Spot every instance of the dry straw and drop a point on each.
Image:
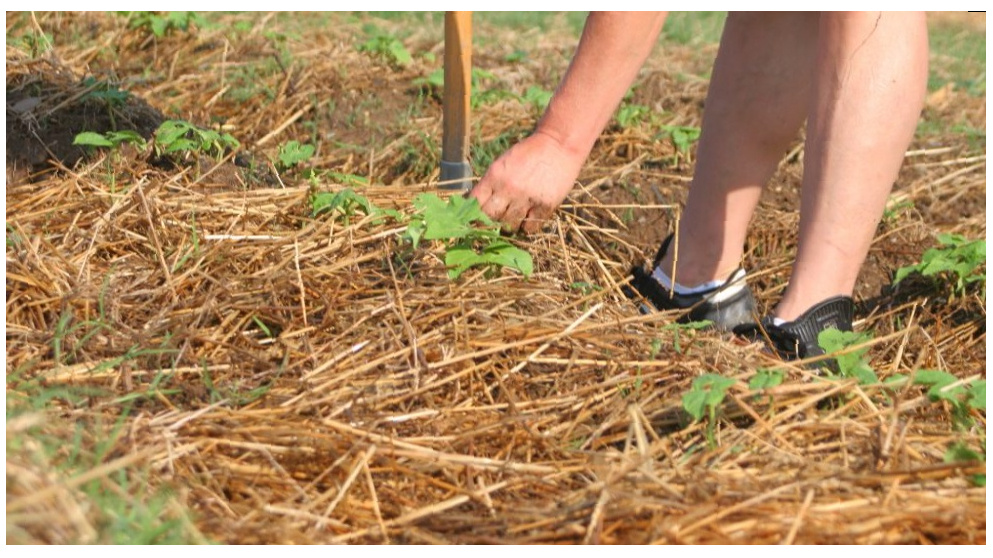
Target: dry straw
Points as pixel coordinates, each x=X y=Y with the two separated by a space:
x=399 y=406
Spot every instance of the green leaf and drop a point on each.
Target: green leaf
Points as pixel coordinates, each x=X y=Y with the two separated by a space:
x=863 y=373
x=159 y=26
x=454 y=219
x=707 y=390
x=293 y=153
x=694 y=402
x=851 y=364
x=765 y=379
x=346 y=201
x=399 y=53
x=463 y=256
x=938 y=380
x=127 y=136
x=92 y=139
x=415 y=231
x=977 y=395
x=682 y=136
x=181 y=145
x=435 y=79
x=631 y=115
x=170 y=131
x=961 y=452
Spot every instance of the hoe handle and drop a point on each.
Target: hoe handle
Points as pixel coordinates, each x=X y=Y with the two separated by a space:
x=456 y=173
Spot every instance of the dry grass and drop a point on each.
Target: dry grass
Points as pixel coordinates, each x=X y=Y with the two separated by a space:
x=381 y=402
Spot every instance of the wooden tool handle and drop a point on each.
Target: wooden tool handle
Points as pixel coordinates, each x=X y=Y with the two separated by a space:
x=455 y=101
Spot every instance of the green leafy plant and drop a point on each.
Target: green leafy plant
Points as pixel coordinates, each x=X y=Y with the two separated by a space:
x=705 y=396
x=35 y=43
x=629 y=116
x=434 y=83
x=961 y=398
x=682 y=136
x=181 y=137
x=346 y=203
x=516 y=56
x=105 y=91
x=471 y=237
x=956 y=259
x=292 y=153
x=960 y=451
x=584 y=288
x=160 y=24
x=112 y=140
x=765 y=379
x=850 y=363
x=388 y=47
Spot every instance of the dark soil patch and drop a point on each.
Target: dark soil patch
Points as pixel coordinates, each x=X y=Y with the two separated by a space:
x=45 y=113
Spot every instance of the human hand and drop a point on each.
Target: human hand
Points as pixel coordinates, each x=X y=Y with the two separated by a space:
x=525 y=185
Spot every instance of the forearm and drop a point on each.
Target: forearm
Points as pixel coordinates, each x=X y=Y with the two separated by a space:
x=611 y=51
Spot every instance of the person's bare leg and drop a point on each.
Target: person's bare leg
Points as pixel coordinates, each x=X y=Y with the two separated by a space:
x=871 y=78
x=758 y=98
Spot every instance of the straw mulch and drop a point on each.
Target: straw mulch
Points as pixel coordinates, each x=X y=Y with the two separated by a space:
x=292 y=379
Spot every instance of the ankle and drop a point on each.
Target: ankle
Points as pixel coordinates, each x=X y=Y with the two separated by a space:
x=691 y=273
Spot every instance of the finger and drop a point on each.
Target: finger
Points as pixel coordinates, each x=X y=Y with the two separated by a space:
x=536 y=217
x=515 y=214
x=495 y=207
x=481 y=191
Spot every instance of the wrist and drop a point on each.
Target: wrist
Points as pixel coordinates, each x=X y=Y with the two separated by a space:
x=571 y=141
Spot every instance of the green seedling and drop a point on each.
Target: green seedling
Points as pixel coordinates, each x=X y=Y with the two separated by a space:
x=434 y=84
x=705 y=396
x=292 y=153
x=106 y=92
x=387 y=47
x=682 y=136
x=957 y=259
x=852 y=363
x=959 y=452
x=471 y=237
x=34 y=43
x=111 y=140
x=181 y=137
x=629 y=116
x=961 y=398
x=161 y=24
x=765 y=379
x=347 y=203
x=584 y=288
x=516 y=56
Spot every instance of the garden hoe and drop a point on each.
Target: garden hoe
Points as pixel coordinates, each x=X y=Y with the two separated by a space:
x=456 y=174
